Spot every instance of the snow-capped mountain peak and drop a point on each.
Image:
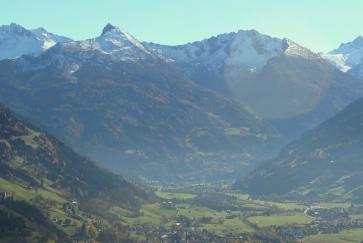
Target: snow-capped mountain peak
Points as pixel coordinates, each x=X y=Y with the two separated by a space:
x=16 y=41
x=246 y=48
x=112 y=44
x=252 y=49
x=356 y=43
x=14 y=29
x=291 y=48
x=108 y=28
x=113 y=40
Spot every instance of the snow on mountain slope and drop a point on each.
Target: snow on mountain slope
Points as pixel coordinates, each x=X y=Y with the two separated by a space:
x=48 y=39
x=252 y=49
x=348 y=56
x=113 y=39
x=247 y=48
x=113 y=43
x=293 y=49
x=16 y=41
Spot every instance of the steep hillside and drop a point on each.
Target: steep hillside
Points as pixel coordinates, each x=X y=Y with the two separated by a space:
x=296 y=93
x=325 y=163
x=30 y=156
x=42 y=181
x=22 y=222
x=113 y=100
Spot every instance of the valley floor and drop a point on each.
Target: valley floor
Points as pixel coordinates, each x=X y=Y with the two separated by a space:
x=198 y=215
x=235 y=217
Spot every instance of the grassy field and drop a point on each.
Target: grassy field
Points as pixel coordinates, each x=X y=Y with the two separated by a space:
x=170 y=195
x=27 y=194
x=357 y=216
x=245 y=198
x=347 y=236
x=334 y=205
x=220 y=222
x=21 y=193
x=149 y=214
x=263 y=221
x=233 y=226
x=30 y=138
x=59 y=214
x=223 y=222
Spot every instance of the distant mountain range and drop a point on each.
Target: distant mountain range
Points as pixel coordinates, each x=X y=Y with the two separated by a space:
x=118 y=102
x=325 y=163
x=212 y=62
x=282 y=81
x=205 y=109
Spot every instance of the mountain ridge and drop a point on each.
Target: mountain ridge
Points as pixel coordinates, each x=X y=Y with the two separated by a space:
x=324 y=164
x=16 y=41
x=254 y=89
x=348 y=57
x=142 y=109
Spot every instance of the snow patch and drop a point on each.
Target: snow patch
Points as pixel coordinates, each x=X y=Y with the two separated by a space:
x=348 y=56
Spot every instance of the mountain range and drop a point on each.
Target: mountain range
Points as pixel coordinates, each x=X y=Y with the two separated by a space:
x=119 y=103
x=280 y=80
x=204 y=109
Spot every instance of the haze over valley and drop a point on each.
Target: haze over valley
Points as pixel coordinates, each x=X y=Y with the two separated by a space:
x=238 y=137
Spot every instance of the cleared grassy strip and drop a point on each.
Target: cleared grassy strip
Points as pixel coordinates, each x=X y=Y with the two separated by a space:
x=346 y=236
x=170 y=195
x=245 y=198
x=221 y=223
x=282 y=205
x=193 y=211
x=19 y=192
x=234 y=226
x=27 y=194
x=22 y=193
x=149 y=214
x=357 y=216
x=334 y=205
x=61 y=216
x=263 y=221
x=51 y=195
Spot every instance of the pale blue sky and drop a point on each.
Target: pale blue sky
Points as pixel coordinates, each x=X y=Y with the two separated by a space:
x=318 y=24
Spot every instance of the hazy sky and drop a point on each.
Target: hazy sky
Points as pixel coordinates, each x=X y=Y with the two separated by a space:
x=318 y=24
